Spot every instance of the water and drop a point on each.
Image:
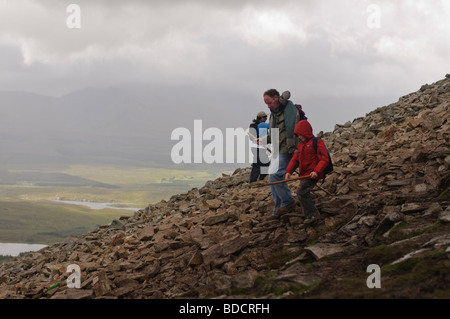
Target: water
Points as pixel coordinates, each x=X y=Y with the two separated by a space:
x=95 y=205
x=13 y=249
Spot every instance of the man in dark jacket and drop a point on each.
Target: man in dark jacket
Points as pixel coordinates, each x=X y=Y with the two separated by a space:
x=310 y=163
x=284 y=117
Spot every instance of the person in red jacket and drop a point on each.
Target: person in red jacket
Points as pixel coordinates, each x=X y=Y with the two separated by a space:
x=310 y=163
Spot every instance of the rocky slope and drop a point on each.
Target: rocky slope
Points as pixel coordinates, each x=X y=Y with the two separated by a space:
x=386 y=203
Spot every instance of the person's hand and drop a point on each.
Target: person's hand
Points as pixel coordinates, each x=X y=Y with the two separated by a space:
x=314 y=175
x=288 y=176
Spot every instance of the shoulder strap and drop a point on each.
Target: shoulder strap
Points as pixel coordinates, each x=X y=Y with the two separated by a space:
x=315 y=149
x=314 y=139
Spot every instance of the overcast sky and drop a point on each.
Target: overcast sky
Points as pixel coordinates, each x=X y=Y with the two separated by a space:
x=353 y=55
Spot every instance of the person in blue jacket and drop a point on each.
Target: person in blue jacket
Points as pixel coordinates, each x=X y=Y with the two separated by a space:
x=259 y=128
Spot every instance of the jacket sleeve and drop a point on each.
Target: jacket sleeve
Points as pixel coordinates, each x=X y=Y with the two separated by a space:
x=292 y=163
x=323 y=157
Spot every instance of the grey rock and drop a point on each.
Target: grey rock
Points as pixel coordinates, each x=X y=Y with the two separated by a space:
x=322 y=250
x=117 y=224
x=445 y=215
x=216 y=219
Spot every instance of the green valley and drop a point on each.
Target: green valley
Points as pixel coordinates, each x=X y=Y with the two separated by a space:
x=30 y=212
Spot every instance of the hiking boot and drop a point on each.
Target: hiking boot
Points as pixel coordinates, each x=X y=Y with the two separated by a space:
x=287 y=209
x=312 y=218
x=315 y=214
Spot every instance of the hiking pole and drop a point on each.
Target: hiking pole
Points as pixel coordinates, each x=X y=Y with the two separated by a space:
x=321 y=188
x=290 y=180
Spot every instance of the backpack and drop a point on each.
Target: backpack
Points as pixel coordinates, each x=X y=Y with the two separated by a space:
x=329 y=167
x=300 y=111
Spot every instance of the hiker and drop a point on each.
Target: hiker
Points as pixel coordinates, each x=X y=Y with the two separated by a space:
x=284 y=117
x=259 y=128
x=310 y=163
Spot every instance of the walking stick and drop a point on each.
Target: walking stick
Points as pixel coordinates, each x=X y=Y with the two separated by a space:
x=290 y=180
x=321 y=188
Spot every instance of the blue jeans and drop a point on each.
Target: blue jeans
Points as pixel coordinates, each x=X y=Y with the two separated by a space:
x=281 y=193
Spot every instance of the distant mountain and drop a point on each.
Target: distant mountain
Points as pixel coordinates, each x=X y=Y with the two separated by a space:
x=130 y=124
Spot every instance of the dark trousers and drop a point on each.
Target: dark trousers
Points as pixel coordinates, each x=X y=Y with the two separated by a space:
x=304 y=196
x=260 y=159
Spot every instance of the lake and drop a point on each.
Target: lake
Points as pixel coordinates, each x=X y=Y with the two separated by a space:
x=96 y=205
x=13 y=249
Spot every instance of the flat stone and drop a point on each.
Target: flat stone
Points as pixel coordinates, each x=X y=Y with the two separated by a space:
x=408 y=256
x=74 y=293
x=212 y=253
x=216 y=219
x=322 y=250
x=214 y=203
x=196 y=259
x=297 y=274
x=244 y=280
x=118 y=239
x=146 y=233
x=117 y=224
x=445 y=215
x=413 y=207
x=438 y=241
x=234 y=245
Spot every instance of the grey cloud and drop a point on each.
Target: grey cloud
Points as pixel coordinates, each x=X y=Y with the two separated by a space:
x=205 y=44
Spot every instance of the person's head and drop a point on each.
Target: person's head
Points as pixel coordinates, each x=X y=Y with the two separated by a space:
x=304 y=131
x=272 y=99
x=261 y=116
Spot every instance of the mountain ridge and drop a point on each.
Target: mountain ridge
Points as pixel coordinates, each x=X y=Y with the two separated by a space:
x=389 y=207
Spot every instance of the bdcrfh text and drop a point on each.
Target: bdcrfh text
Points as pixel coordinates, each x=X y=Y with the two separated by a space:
x=233 y=308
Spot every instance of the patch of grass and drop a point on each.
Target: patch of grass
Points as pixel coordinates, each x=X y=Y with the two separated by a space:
x=400 y=267
x=265 y=285
x=445 y=195
x=350 y=287
x=4 y=258
x=136 y=197
x=384 y=254
x=280 y=258
x=428 y=274
x=134 y=185
x=299 y=292
x=397 y=234
x=28 y=213
x=48 y=222
x=120 y=176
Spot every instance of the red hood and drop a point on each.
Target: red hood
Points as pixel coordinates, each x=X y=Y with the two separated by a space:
x=305 y=129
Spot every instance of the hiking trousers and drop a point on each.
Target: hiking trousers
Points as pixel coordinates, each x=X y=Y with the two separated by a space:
x=305 y=199
x=260 y=165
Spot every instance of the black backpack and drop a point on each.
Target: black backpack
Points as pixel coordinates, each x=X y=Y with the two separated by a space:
x=329 y=167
